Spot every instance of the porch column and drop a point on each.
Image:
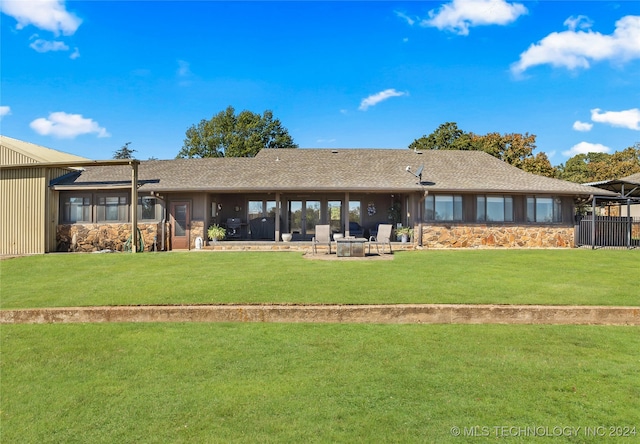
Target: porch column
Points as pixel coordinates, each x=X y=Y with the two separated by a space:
x=593 y=223
x=278 y=213
x=345 y=214
x=134 y=206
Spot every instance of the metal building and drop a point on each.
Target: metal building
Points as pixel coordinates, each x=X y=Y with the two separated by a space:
x=28 y=207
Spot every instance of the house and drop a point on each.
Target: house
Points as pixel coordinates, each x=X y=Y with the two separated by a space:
x=450 y=198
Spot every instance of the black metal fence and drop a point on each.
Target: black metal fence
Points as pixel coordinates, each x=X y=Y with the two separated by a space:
x=608 y=231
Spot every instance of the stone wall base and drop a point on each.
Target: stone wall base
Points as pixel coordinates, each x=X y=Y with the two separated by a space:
x=98 y=237
x=489 y=236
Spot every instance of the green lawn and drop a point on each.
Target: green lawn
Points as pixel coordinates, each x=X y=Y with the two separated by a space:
x=315 y=383
x=600 y=277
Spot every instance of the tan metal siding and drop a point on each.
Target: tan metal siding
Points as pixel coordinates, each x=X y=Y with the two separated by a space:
x=11 y=157
x=22 y=211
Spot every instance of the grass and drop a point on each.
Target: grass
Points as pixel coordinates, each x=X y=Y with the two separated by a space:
x=307 y=382
x=574 y=277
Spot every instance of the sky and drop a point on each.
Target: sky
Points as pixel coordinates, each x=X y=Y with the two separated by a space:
x=86 y=77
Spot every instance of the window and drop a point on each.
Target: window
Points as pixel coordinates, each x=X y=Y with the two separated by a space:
x=544 y=210
x=112 y=209
x=259 y=208
x=76 y=209
x=494 y=209
x=147 y=208
x=334 y=210
x=443 y=207
x=354 y=211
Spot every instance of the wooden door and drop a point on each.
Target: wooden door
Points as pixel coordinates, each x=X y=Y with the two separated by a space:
x=180 y=223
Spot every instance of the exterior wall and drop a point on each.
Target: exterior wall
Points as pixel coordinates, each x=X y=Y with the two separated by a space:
x=11 y=157
x=22 y=211
x=497 y=236
x=97 y=237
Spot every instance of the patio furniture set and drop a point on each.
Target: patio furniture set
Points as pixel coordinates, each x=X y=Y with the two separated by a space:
x=352 y=246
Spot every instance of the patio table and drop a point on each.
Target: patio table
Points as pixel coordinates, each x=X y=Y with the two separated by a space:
x=350 y=246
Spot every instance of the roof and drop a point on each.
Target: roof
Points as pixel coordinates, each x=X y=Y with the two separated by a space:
x=353 y=170
x=25 y=152
x=629 y=185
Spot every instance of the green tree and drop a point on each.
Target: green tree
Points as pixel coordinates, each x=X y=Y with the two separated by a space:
x=124 y=152
x=594 y=167
x=516 y=149
x=446 y=137
x=229 y=135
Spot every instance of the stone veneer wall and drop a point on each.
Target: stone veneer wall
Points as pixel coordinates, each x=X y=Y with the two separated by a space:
x=493 y=236
x=97 y=237
x=197 y=230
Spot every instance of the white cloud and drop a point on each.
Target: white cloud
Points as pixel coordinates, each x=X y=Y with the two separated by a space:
x=4 y=111
x=582 y=126
x=75 y=54
x=42 y=45
x=459 y=15
x=50 y=15
x=405 y=17
x=579 y=22
x=576 y=49
x=629 y=118
x=586 y=147
x=67 y=126
x=374 y=99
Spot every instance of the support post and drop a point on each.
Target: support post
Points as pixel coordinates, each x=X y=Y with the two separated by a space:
x=278 y=213
x=134 y=206
x=593 y=223
x=346 y=214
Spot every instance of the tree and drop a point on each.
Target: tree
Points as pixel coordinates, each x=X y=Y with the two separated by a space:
x=446 y=137
x=594 y=167
x=124 y=153
x=514 y=148
x=229 y=135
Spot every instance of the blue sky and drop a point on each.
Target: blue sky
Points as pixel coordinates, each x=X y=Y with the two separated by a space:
x=85 y=77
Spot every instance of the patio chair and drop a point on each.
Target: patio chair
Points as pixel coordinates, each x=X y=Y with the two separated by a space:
x=382 y=237
x=322 y=237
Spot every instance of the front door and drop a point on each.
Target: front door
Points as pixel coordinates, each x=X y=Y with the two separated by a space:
x=180 y=221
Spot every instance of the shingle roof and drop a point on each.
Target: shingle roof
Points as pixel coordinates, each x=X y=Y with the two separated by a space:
x=29 y=152
x=307 y=170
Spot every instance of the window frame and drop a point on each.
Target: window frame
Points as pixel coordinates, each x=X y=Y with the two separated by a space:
x=534 y=204
x=431 y=205
x=140 y=208
x=87 y=208
x=121 y=207
x=507 y=209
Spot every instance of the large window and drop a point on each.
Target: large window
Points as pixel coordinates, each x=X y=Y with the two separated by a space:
x=261 y=208
x=334 y=210
x=354 y=211
x=112 y=208
x=544 y=209
x=494 y=209
x=443 y=207
x=76 y=209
